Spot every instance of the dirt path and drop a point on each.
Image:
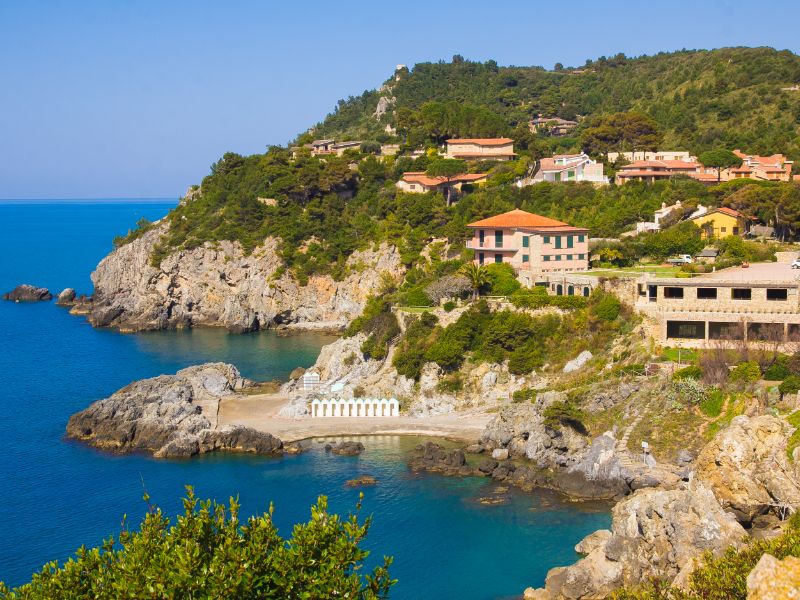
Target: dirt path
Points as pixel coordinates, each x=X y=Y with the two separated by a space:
x=260 y=412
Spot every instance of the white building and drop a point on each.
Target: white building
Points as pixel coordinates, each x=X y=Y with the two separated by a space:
x=681 y=155
x=355 y=407
x=567 y=167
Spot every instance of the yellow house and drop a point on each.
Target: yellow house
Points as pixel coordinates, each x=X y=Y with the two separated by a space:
x=721 y=222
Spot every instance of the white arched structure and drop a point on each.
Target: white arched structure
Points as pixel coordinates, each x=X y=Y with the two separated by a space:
x=355 y=407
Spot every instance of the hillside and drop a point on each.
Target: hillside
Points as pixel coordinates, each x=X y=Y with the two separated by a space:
x=699 y=98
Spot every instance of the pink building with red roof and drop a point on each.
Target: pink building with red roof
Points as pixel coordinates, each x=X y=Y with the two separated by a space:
x=765 y=168
x=530 y=242
x=650 y=171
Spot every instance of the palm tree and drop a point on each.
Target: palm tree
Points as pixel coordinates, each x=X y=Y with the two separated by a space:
x=477 y=275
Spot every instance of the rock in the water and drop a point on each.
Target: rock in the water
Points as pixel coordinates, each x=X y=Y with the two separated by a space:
x=500 y=453
x=348 y=448
x=170 y=416
x=432 y=457
x=578 y=362
x=747 y=467
x=361 y=481
x=66 y=297
x=28 y=293
x=654 y=534
x=773 y=579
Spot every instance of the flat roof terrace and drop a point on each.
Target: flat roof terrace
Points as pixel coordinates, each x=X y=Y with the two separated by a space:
x=757 y=274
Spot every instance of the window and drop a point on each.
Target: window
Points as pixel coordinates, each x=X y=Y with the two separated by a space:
x=689 y=330
x=586 y=292
x=570 y=174
x=570 y=290
x=481 y=236
x=569 y=257
x=558 y=241
x=673 y=293
x=741 y=293
x=777 y=294
x=480 y=258
x=706 y=293
x=413 y=186
x=581 y=257
x=558 y=176
x=526 y=258
x=558 y=257
x=498 y=258
x=526 y=241
x=546 y=258
x=546 y=239
x=498 y=238
x=569 y=241
x=581 y=238
x=723 y=229
x=725 y=331
x=765 y=332
x=735 y=231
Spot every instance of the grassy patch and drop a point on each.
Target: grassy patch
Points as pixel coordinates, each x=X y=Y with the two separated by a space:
x=263 y=387
x=794 y=440
x=734 y=408
x=712 y=405
x=668 y=432
x=681 y=355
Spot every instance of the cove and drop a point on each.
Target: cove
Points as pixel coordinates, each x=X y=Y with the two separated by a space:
x=59 y=494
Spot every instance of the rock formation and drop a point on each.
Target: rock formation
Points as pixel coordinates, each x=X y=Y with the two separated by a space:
x=773 y=579
x=348 y=448
x=66 y=297
x=747 y=467
x=654 y=534
x=170 y=416
x=28 y=293
x=222 y=285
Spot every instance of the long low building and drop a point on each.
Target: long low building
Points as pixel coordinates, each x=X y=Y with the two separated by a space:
x=760 y=303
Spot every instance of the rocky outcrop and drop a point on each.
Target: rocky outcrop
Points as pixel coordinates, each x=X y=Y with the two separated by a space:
x=348 y=448
x=28 y=293
x=654 y=534
x=222 y=285
x=66 y=297
x=170 y=416
x=746 y=466
x=773 y=579
x=433 y=457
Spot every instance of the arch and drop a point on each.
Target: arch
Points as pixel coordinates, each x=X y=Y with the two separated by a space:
x=586 y=291
x=559 y=290
x=570 y=290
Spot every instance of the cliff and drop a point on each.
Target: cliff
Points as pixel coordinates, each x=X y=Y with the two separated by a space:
x=221 y=285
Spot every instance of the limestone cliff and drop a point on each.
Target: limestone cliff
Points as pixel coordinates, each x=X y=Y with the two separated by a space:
x=221 y=285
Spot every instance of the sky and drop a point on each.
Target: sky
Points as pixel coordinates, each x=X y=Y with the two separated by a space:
x=116 y=99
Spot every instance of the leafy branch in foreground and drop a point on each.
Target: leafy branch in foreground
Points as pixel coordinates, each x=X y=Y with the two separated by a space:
x=208 y=553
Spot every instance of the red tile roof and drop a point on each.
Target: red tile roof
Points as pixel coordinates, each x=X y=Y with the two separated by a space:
x=422 y=178
x=482 y=141
x=520 y=218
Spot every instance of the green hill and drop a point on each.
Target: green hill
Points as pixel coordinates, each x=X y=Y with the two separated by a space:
x=700 y=99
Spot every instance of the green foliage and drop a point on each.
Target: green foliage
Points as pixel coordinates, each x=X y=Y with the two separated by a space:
x=142 y=227
x=477 y=275
x=778 y=370
x=720 y=158
x=794 y=440
x=208 y=553
x=790 y=385
x=746 y=372
x=451 y=384
x=564 y=413
x=524 y=395
x=723 y=577
x=690 y=372
x=502 y=280
x=416 y=296
x=449 y=306
x=605 y=306
x=381 y=332
x=621 y=131
x=712 y=404
x=410 y=354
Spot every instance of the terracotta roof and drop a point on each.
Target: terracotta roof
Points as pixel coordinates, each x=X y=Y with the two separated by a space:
x=669 y=164
x=482 y=154
x=422 y=178
x=724 y=210
x=518 y=218
x=482 y=141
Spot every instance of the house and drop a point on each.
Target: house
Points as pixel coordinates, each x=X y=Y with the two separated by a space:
x=651 y=171
x=658 y=216
x=765 y=168
x=555 y=126
x=567 y=167
x=648 y=155
x=530 y=242
x=759 y=303
x=708 y=255
x=721 y=222
x=418 y=182
x=322 y=147
x=481 y=149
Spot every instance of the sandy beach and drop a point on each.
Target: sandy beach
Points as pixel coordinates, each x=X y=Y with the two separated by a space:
x=260 y=411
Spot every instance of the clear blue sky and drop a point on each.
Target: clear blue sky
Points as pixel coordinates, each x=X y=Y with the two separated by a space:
x=136 y=99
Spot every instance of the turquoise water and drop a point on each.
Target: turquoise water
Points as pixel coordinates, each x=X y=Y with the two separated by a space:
x=59 y=494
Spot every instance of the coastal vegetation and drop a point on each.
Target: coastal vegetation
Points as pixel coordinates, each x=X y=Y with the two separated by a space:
x=207 y=552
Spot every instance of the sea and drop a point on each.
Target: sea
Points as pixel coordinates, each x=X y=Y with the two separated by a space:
x=59 y=495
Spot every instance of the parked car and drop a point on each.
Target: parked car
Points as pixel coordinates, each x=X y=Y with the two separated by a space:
x=681 y=259
x=796 y=263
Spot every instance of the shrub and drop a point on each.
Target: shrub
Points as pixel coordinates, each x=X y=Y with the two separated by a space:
x=564 y=413
x=410 y=354
x=416 y=296
x=746 y=372
x=524 y=395
x=790 y=385
x=687 y=392
x=778 y=371
x=569 y=302
x=712 y=404
x=502 y=279
x=690 y=372
x=449 y=306
x=381 y=331
x=207 y=552
x=533 y=298
x=448 y=353
x=606 y=306
x=451 y=384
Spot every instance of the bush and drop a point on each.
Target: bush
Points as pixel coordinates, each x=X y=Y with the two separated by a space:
x=451 y=384
x=569 y=302
x=790 y=385
x=416 y=296
x=712 y=404
x=778 y=371
x=746 y=372
x=605 y=306
x=381 y=330
x=449 y=306
x=524 y=395
x=533 y=298
x=208 y=552
x=690 y=372
x=502 y=279
x=564 y=413
x=410 y=354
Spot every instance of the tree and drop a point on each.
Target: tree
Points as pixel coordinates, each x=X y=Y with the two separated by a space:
x=208 y=553
x=449 y=169
x=478 y=277
x=719 y=159
x=621 y=131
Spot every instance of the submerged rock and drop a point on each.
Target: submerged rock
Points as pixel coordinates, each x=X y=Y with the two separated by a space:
x=361 y=481
x=28 y=293
x=170 y=416
x=433 y=457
